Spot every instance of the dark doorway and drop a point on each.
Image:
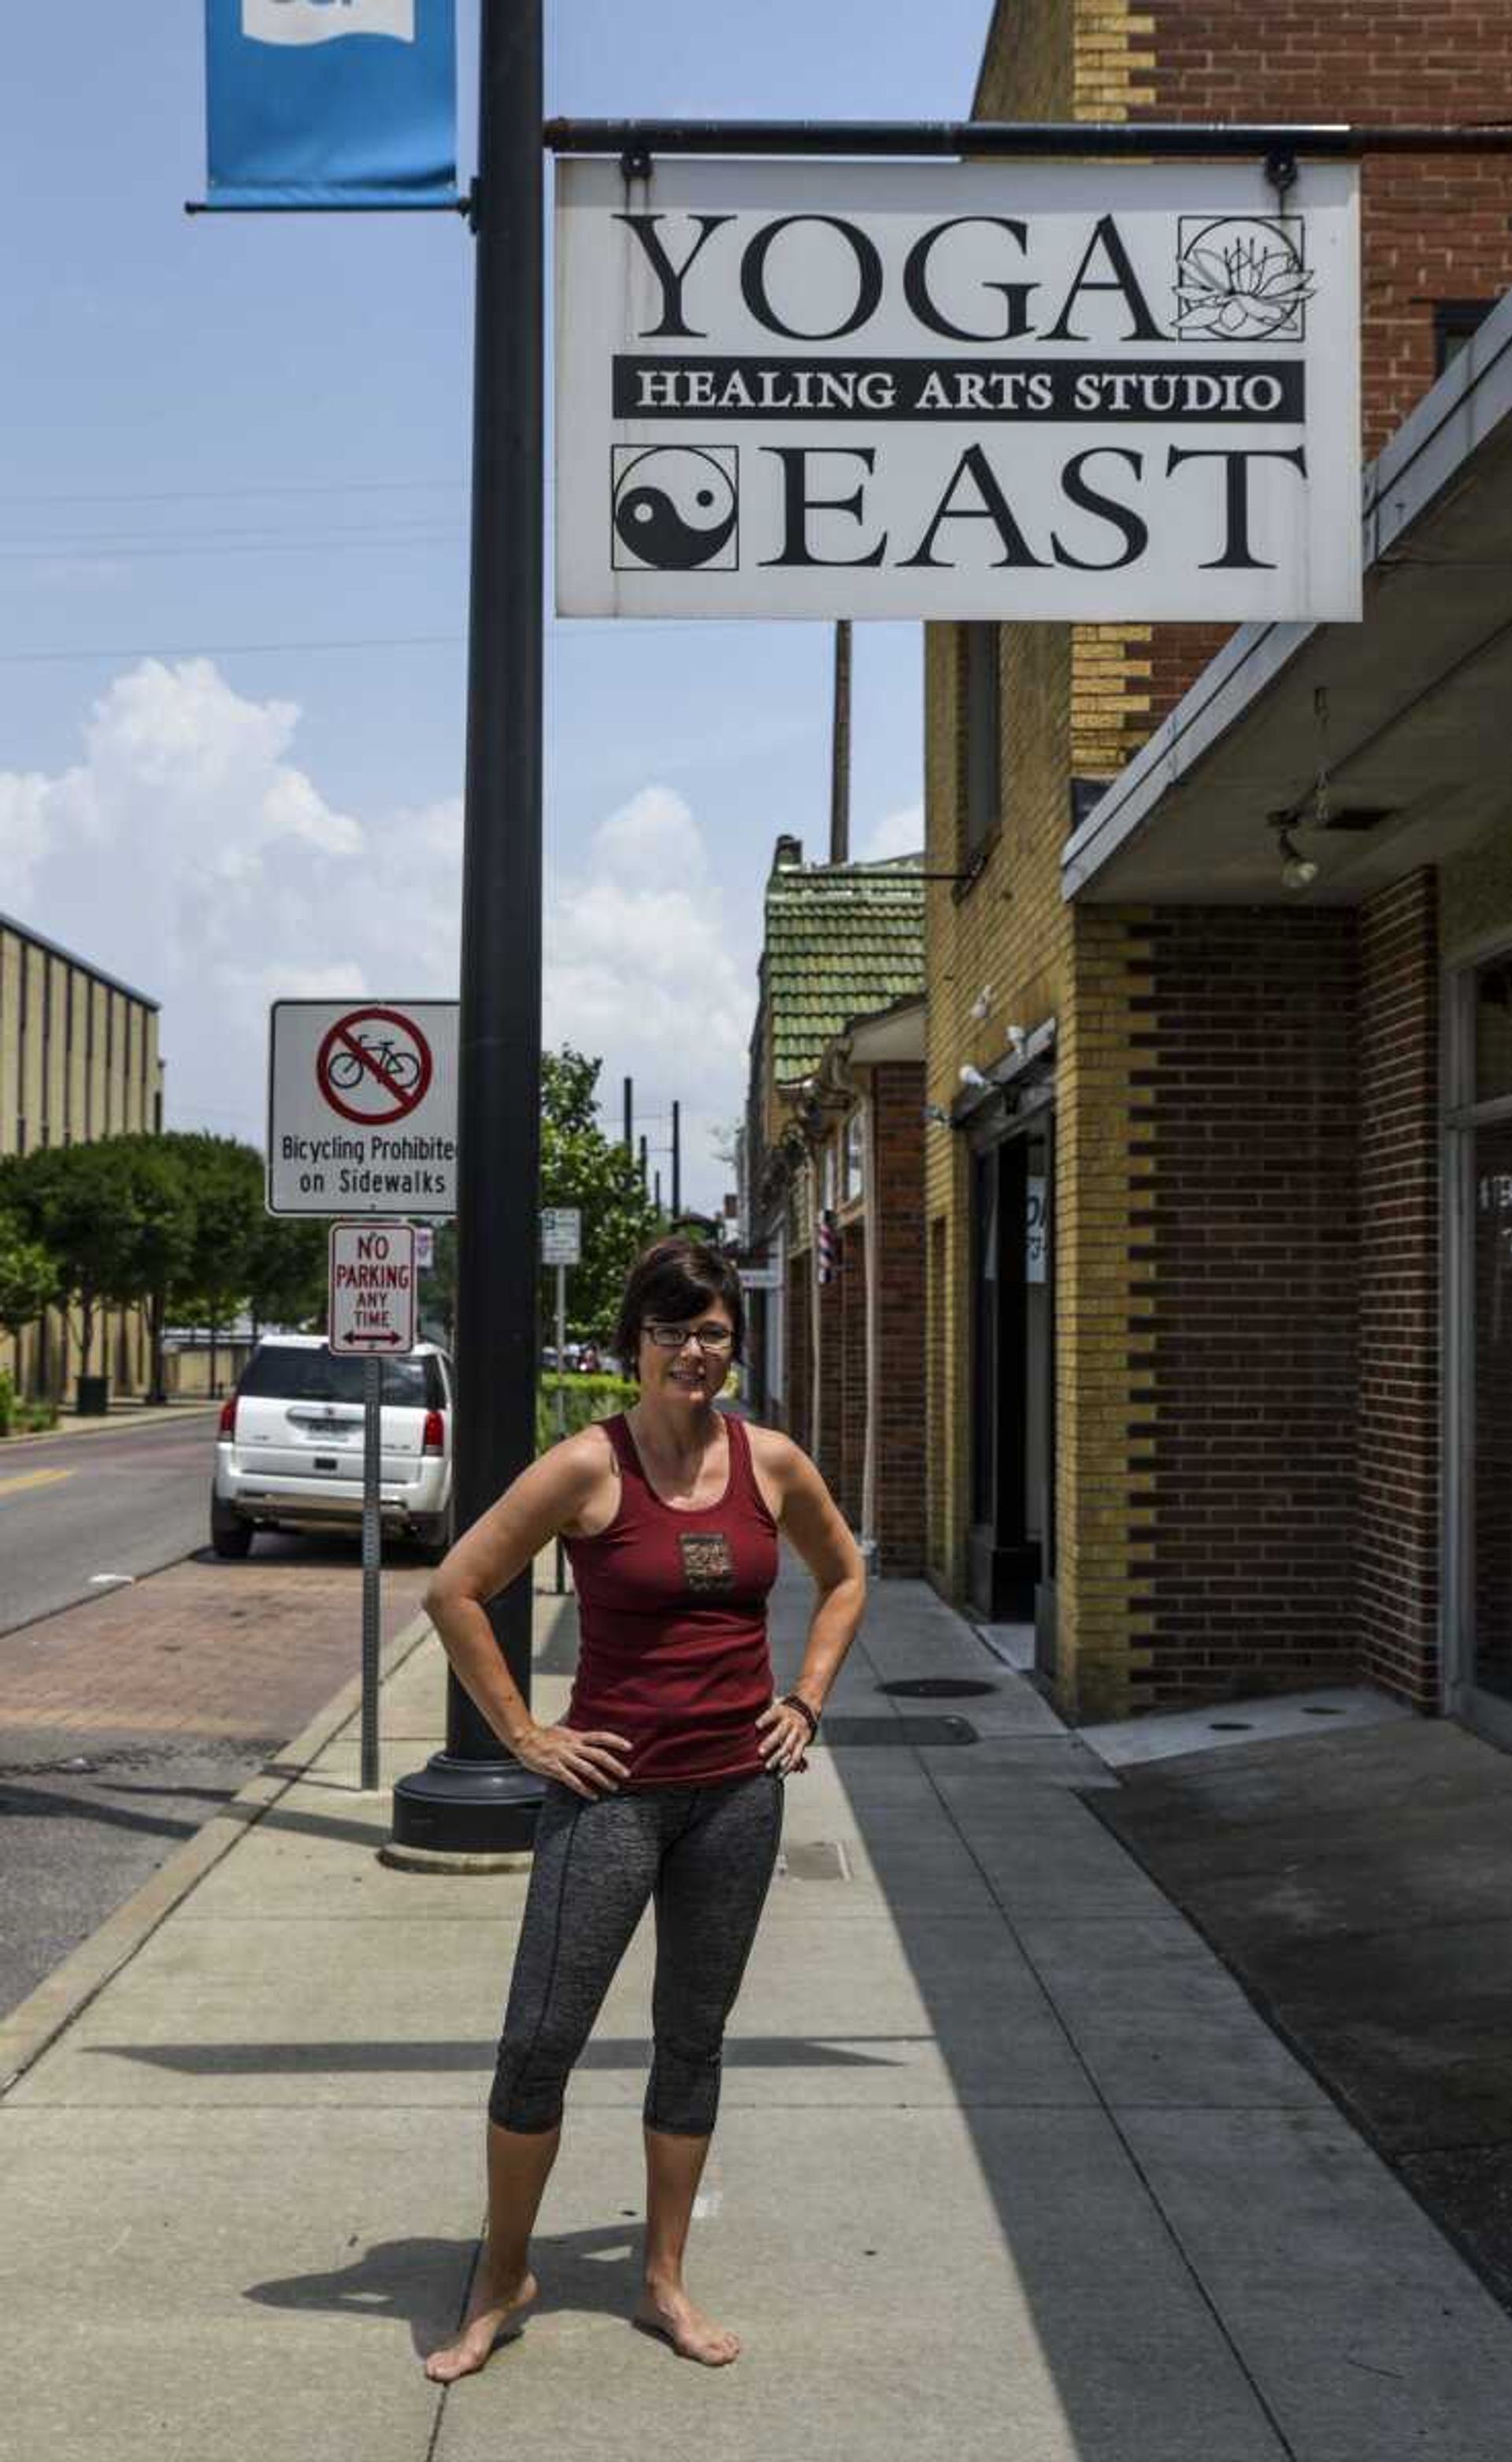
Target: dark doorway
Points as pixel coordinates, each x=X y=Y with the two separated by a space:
x=1009 y=1539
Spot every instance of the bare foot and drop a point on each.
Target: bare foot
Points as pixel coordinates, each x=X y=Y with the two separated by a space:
x=490 y=2310
x=691 y=2333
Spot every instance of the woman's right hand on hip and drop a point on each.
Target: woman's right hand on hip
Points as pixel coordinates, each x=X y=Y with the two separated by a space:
x=586 y=1760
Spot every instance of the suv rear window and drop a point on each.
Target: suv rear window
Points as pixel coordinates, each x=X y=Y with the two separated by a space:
x=278 y=1373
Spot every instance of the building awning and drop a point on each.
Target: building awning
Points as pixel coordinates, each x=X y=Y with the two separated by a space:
x=1407 y=713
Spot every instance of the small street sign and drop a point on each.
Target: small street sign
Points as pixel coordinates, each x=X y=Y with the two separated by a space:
x=561 y=1235
x=373 y=1276
x=362 y=1107
x=761 y=1278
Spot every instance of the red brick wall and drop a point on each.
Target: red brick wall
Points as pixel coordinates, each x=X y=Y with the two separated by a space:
x=1435 y=227
x=898 y=1118
x=1398 y=1549
x=798 y=1352
x=1247 y=1305
x=826 y=1452
x=852 y=1372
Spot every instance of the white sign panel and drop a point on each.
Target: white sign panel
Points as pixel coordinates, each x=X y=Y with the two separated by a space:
x=984 y=390
x=373 y=1276
x=561 y=1235
x=1034 y=1232
x=761 y=1278
x=316 y=21
x=362 y=1107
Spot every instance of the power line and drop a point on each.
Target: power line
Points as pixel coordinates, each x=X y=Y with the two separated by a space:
x=222 y=495
x=233 y=649
x=86 y=549
x=557 y=633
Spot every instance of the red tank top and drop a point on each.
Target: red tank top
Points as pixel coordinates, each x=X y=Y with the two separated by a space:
x=671 y=1610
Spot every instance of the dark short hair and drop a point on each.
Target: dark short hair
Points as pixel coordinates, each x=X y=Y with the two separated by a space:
x=672 y=1281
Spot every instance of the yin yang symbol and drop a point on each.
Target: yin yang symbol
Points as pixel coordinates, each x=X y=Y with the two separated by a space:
x=675 y=508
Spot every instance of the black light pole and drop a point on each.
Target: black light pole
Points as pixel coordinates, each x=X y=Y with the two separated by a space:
x=474 y=1799
x=677 y=1160
x=630 y=1117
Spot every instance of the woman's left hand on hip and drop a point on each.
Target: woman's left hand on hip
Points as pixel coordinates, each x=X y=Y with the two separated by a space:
x=785 y=1738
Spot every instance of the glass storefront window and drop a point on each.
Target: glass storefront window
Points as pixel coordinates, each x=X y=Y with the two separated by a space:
x=1491 y=1379
x=1493 y=1030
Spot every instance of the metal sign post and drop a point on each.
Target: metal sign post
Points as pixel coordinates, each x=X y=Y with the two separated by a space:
x=371 y=1316
x=372 y=1562
x=561 y=1246
x=474 y=1799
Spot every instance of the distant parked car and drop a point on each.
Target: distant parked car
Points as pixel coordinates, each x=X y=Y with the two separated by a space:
x=289 y=1451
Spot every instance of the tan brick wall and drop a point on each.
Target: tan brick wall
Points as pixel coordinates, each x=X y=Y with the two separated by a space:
x=1077 y=700
x=63 y=1097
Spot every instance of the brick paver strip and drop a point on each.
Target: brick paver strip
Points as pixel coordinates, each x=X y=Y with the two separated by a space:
x=205 y=1649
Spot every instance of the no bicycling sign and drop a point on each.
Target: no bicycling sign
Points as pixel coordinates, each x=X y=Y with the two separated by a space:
x=362 y=1107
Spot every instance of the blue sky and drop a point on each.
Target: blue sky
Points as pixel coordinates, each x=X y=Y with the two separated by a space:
x=227 y=441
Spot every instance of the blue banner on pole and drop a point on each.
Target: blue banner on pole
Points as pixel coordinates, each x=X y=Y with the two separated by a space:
x=331 y=102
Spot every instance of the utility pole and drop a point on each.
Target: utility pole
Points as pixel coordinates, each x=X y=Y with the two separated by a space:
x=644 y=1181
x=474 y=1799
x=630 y=1118
x=840 y=748
x=677 y=1160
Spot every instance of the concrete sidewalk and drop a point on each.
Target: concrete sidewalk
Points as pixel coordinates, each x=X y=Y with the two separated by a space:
x=114 y=1422
x=1008 y=2169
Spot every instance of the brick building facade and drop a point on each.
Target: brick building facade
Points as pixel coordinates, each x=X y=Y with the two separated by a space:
x=78 y=1059
x=1206 y=1454
x=830 y=1173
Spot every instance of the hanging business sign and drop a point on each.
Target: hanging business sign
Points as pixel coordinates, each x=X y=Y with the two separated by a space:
x=331 y=102
x=987 y=390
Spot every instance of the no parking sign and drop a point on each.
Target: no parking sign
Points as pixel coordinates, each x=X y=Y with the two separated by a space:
x=362 y=1107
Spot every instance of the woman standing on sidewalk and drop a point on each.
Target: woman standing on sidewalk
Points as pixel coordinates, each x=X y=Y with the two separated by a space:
x=665 y=1778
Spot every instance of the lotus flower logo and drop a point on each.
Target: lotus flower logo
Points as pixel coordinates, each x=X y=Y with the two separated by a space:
x=1241 y=279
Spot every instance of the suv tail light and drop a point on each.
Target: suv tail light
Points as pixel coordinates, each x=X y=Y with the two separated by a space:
x=434 y=1440
x=229 y=1417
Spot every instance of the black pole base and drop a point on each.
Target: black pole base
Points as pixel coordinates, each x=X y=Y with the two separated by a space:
x=467 y=1808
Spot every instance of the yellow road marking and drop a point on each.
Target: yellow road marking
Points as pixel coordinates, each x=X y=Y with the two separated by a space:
x=32 y=1478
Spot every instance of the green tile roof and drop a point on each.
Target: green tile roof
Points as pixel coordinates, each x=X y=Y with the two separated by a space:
x=843 y=940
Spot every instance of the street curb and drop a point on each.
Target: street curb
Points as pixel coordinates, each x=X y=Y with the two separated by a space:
x=71 y=1431
x=37 y=2021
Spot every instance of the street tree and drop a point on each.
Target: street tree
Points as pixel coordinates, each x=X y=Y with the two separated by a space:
x=74 y=1203
x=28 y=1276
x=581 y=1167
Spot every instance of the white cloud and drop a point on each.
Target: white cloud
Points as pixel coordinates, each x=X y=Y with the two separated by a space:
x=188 y=853
x=653 y=836
x=900 y=833
x=642 y=967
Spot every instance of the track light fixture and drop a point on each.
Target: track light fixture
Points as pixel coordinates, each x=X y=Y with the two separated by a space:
x=1298 y=870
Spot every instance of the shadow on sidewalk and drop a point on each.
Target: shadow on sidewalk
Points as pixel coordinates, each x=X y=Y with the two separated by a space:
x=596 y=2271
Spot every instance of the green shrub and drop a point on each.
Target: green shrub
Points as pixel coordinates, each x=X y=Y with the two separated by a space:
x=36 y=1417
x=587 y=1398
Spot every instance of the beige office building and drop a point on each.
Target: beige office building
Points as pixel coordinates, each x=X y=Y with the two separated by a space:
x=78 y=1059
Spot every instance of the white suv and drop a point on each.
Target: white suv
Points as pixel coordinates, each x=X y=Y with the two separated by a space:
x=290 y=1448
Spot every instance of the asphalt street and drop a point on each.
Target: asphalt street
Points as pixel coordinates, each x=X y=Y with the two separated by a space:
x=129 y=1720
x=77 y=1507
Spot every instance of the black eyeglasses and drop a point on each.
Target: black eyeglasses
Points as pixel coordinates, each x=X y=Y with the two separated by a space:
x=675 y=1337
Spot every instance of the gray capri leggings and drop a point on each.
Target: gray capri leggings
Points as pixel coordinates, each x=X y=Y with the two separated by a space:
x=706 y=1855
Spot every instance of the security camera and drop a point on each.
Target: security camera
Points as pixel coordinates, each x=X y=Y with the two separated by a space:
x=983 y=1004
x=970 y=1077
x=1015 y=1037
